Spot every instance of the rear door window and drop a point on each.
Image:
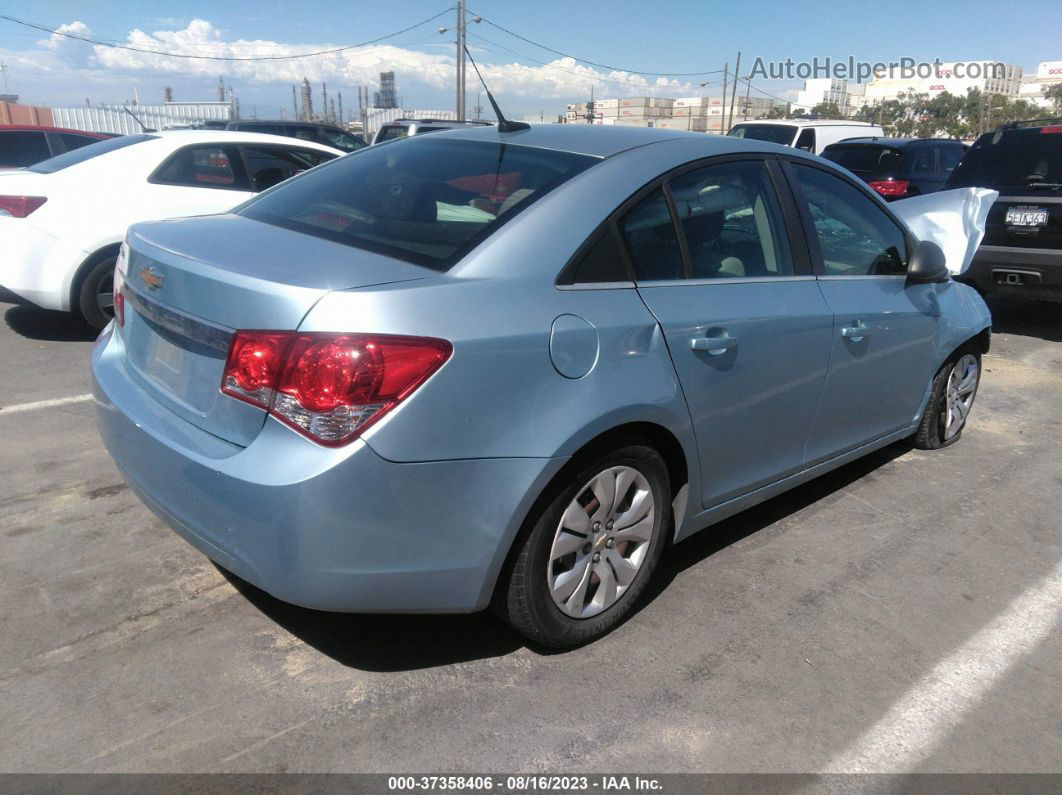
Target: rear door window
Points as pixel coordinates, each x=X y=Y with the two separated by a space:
x=19 y=148
x=652 y=240
x=205 y=166
x=78 y=156
x=806 y=141
x=426 y=201
x=270 y=165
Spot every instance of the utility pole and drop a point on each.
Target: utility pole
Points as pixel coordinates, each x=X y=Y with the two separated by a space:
x=324 y=102
x=733 y=92
x=748 y=91
x=460 y=60
x=3 y=74
x=340 y=108
x=294 y=104
x=590 y=107
x=722 y=117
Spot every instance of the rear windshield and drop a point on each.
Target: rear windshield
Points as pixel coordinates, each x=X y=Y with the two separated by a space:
x=68 y=159
x=864 y=158
x=423 y=200
x=1023 y=159
x=389 y=132
x=775 y=133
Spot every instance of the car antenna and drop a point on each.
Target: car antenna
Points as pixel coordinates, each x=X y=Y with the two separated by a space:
x=143 y=127
x=504 y=125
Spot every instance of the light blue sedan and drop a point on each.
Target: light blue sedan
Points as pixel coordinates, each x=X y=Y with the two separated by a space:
x=482 y=368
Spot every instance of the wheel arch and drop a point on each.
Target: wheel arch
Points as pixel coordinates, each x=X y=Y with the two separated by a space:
x=656 y=435
x=100 y=253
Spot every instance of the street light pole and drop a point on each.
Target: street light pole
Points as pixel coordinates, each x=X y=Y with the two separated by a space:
x=460 y=60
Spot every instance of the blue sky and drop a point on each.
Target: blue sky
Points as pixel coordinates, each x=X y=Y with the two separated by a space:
x=676 y=36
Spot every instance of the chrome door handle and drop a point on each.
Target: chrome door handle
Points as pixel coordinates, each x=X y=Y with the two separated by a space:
x=855 y=332
x=714 y=346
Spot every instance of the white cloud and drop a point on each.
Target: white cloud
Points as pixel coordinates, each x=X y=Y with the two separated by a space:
x=425 y=73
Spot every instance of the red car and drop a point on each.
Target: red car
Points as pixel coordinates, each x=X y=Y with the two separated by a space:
x=24 y=145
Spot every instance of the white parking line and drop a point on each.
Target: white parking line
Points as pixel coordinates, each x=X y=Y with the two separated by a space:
x=44 y=404
x=917 y=723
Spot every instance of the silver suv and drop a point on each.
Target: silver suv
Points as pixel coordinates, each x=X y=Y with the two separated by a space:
x=400 y=128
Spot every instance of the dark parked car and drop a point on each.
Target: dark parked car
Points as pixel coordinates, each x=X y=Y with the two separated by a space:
x=1021 y=253
x=325 y=134
x=899 y=167
x=23 y=145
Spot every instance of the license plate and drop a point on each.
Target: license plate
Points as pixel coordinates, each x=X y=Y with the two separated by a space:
x=1026 y=216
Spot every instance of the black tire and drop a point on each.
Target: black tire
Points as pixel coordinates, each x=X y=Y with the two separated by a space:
x=96 y=282
x=932 y=432
x=523 y=597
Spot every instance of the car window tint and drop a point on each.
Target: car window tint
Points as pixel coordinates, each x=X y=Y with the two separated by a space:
x=806 y=141
x=863 y=158
x=201 y=167
x=71 y=141
x=1017 y=161
x=427 y=201
x=775 y=133
x=922 y=160
x=20 y=148
x=389 y=132
x=649 y=234
x=268 y=165
x=270 y=129
x=950 y=155
x=856 y=236
x=603 y=262
x=341 y=140
x=67 y=159
x=731 y=221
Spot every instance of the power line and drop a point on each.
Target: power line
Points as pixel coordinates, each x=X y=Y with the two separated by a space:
x=53 y=31
x=593 y=77
x=594 y=63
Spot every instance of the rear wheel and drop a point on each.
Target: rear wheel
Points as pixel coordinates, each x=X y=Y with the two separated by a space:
x=592 y=550
x=96 y=293
x=950 y=400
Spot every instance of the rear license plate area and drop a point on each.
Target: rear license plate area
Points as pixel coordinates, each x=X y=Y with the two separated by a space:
x=1026 y=217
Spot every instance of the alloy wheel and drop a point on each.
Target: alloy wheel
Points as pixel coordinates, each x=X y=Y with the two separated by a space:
x=959 y=394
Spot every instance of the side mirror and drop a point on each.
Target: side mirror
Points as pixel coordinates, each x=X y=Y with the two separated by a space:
x=927 y=264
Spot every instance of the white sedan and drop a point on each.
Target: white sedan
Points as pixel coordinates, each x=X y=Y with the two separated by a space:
x=62 y=221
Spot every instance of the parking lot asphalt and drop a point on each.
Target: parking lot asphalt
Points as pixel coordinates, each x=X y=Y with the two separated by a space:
x=901 y=614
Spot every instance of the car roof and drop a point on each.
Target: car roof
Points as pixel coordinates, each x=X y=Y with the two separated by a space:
x=45 y=128
x=810 y=122
x=183 y=137
x=603 y=140
x=884 y=140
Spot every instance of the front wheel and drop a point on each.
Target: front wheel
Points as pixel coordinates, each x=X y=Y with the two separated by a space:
x=592 y=550
x=950 y=400
x=96 y=295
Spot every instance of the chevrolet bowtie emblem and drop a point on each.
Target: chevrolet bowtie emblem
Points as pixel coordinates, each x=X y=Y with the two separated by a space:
x=151 y=277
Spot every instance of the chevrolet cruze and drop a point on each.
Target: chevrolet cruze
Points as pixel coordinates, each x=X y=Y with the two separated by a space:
x=485 y=368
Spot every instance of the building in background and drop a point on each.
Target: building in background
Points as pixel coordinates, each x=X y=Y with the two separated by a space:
x=696 y=114
x=386 y=98
x=1049 y=73
x=826 y=90
x=989 y=77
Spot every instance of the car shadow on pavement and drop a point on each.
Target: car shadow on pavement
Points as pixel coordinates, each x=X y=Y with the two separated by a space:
x=390 y=643
x=718 y=537
x=35 y=323
x=1027 y=318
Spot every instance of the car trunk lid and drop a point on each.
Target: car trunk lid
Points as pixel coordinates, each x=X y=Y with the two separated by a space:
x=190 y=283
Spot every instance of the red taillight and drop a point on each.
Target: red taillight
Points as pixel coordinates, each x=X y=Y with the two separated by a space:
x=119 y=297
x=20 y=206
x=1050 y=129
x=254 y=361
x=890 y=188
x=330 y=387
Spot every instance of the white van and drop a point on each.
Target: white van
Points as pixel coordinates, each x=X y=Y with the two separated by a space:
x=811 y=135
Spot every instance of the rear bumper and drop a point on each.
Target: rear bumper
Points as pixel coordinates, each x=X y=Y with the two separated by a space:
x=341 y=530
x=37 y=266
x=1037 y=272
